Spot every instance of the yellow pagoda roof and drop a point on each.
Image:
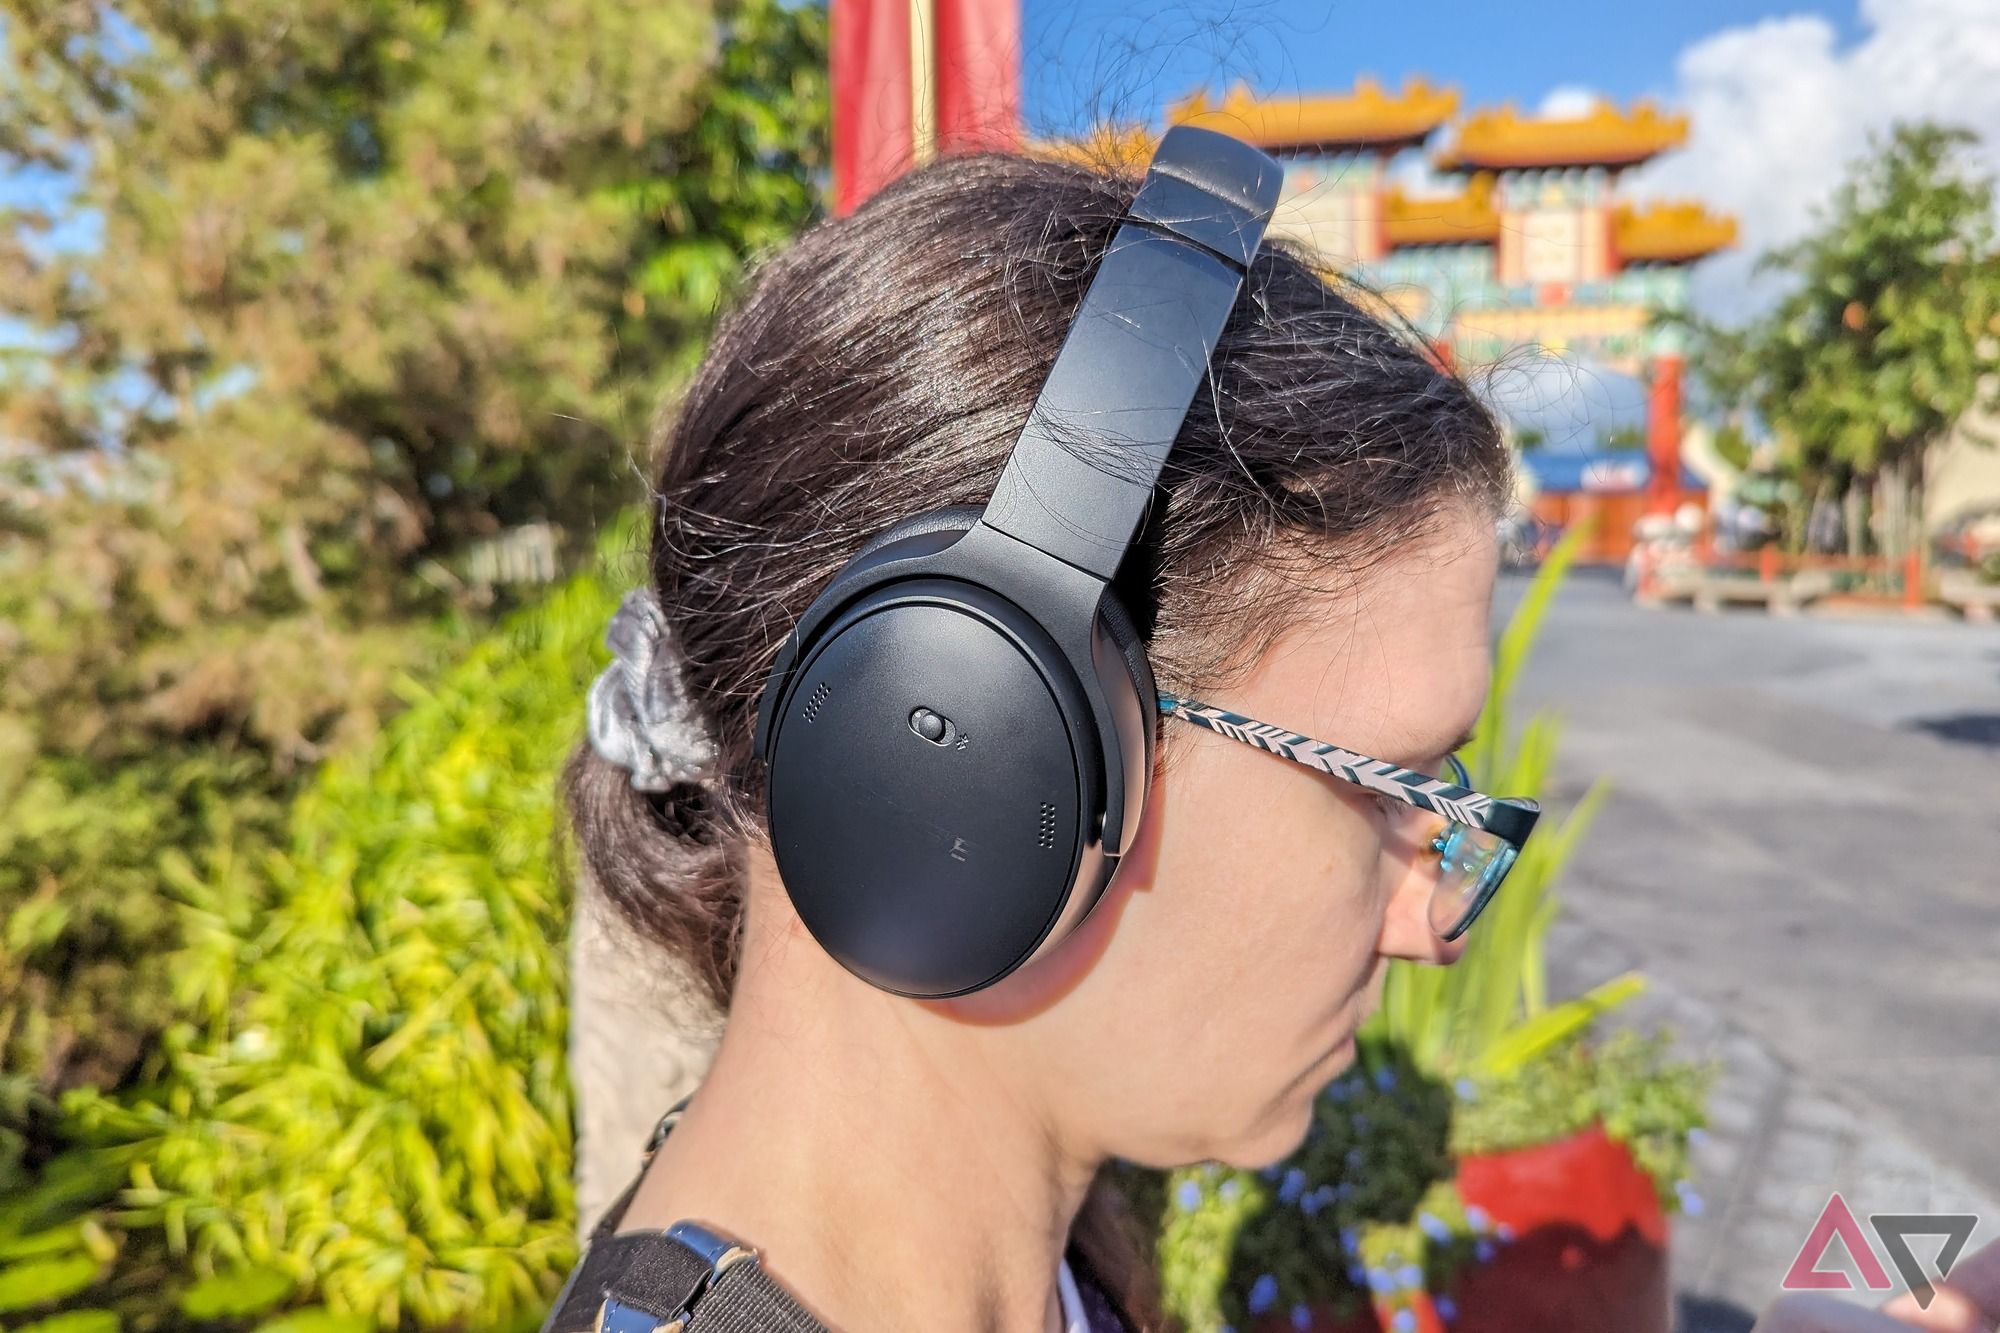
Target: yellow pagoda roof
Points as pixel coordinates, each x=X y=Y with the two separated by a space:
x=1366 y=117
x=1126 y=148
x=1502 y=138
x=1464 y=218
x=1669 y=233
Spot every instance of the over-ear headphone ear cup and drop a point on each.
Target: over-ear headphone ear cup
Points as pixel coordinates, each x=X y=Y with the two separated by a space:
x=1125 y=633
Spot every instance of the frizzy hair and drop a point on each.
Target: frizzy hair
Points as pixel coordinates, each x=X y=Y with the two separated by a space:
x=882 y=367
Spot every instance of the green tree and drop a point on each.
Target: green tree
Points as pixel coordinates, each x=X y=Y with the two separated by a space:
x=327 y=301
x=1888 y=335
x=1625 y=437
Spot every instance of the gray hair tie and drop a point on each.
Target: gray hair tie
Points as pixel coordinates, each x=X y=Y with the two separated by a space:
x=640 y=715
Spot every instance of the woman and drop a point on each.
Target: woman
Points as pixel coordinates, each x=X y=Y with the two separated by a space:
x=1323 y=560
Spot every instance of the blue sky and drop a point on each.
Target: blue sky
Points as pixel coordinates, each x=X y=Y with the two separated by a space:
x=1082 y=55
x=1754 y=74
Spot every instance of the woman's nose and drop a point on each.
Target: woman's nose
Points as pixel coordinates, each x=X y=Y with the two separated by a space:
x=1406 y=928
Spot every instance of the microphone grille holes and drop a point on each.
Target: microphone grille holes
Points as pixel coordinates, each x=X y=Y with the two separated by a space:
x=816 y=701
x=1047 y=840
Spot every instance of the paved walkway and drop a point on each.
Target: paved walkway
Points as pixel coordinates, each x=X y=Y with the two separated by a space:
x=1779 y=1142
x=1802 y=852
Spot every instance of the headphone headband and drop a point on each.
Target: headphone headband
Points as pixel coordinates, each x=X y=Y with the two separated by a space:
x=1083 y=470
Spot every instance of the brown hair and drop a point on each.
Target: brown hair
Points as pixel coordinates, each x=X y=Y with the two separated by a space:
x=883 y=367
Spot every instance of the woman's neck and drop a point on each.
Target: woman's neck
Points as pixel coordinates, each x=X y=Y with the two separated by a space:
x=876 y=1154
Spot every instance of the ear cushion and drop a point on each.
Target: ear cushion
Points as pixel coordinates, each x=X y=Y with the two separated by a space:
x=1118 y=622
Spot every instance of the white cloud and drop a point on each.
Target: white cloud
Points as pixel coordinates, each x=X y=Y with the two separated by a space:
x=1779 y=109
x=1569 y=101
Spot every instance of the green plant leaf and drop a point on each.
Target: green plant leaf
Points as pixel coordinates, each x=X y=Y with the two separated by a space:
x=317 y=1320
x=246 y=1292
x=44 y=1281
x=74 y=1321
x=1535 y=1036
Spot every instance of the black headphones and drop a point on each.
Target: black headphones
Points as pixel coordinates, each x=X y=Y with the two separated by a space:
x=960 y=729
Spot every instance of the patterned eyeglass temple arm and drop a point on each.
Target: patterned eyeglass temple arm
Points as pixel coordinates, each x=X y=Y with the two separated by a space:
x=1509 y=819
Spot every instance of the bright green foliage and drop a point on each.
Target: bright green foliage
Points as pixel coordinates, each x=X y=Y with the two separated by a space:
x=352 y=285
x=1628 y=1082
x=366 y=1107
x=740 y=179
x=76 y=1321
x=1890 y=331
x=85 y=906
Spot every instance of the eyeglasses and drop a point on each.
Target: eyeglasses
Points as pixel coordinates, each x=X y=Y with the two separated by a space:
x=1478 y=837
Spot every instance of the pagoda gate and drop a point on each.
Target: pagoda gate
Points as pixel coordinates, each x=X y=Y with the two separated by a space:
x=1532 y=248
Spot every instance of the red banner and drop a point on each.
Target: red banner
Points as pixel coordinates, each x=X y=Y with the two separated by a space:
x=897 y=102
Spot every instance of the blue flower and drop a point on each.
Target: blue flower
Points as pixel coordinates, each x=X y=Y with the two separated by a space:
x=1357 y=1275
x=1354 y=1157
x=1188 y=1196
x=1313 y=1202
x=1466 y=1089
x=1697 y=1136
x=1271 y=1172
x=1691 y=1202
x=1263 y=1294
x=1385 y=1078
x=1301 y=1317
x=1404 y=1320
x=1294 y=1186
x=1350 y=1239
x=1484 y=1250
x=1432 y=1225
x=1476 y=1217
x=1338 y=1090
x=1346 y=1190
x=1381 y=1279
x=1446 y=1308
x=1412 y=1276
x=1230 y=1189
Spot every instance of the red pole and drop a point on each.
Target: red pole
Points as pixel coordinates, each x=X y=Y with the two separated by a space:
x=978 y=76
x=869 y=62
x=965 y=61
x=1663 y=435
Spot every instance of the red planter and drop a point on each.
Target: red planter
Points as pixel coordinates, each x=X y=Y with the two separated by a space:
x=1589 y=1251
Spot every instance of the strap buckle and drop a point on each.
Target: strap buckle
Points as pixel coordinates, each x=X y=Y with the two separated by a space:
x=718 y=1252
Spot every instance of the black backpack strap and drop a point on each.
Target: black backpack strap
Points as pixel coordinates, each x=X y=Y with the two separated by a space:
x=686 y=1279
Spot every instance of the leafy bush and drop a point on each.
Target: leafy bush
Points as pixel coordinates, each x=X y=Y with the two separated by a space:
x=364 y=1111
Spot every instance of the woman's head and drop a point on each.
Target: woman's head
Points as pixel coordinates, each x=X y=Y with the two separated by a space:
x=1322 y=558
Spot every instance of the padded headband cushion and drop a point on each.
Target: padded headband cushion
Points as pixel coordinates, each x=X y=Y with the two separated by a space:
x=952 y=518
